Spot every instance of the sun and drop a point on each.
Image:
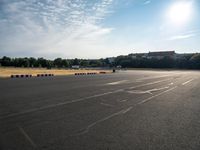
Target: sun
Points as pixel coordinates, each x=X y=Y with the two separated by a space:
x=180 y=12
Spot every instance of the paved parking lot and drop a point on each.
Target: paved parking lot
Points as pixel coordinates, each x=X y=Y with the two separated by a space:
x=122 y=111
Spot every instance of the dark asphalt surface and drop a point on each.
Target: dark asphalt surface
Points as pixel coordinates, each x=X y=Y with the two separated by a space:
x=128 y=110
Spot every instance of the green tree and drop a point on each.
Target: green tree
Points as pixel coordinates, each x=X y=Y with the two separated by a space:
x=84 y=63
x=6 y=61
x=58 y=62
x=42 y=62
x=195 y=61
x=65 y=63
x=32 y=62
x=75 y=62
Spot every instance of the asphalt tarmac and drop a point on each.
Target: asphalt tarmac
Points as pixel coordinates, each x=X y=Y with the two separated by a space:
x=126 y=110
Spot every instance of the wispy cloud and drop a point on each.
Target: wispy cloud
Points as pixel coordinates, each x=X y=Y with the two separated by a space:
x=44 y=27
x=184 y=36
x=147 y=2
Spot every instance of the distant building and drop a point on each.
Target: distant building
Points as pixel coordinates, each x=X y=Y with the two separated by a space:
x=75 y=67
x=156 y=55
x=162 y=54
x=138 y=55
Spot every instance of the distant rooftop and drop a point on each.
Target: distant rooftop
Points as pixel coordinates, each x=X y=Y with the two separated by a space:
x=161 y=53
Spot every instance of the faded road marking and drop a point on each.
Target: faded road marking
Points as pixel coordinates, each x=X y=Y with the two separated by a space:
x=139 y=92
x=146 y=78
x=105 y=104
x=121 y=101
x=147 y=91
x=123 y=111
x=146 y=100
x=58 y=104
x=86 y=130
x=75 y=100
x=150 y=83
x=117 y=82
x=158 y=89
x=27 y=137
x=187 y=82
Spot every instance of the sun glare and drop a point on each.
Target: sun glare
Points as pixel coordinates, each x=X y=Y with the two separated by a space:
x=180 y=13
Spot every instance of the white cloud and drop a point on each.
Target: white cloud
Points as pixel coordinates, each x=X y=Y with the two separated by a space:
x=50 y=28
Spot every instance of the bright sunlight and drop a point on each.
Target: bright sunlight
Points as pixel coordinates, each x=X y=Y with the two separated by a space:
x=180 y=13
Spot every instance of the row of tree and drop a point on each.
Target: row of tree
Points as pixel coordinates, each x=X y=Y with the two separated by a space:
x=190 y=61
x=56 y=63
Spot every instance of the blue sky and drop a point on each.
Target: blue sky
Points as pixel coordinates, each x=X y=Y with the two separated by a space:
x=97 y=28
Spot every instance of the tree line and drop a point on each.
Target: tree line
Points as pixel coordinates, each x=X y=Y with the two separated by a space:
x=56 y=63
x=190 y=61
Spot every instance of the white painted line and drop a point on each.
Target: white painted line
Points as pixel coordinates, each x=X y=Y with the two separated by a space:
x=146 y=78
x=121 y=101
x=58 y=104
x=105 y=104
x=75 y=101
x=123 y=111
x=117 y=82
x=127 y=110
x=147 y=91
x=187 y=82
x=150 y=83
x=171 y=83
x=137 y=80
x=139 y=92
x=27 y=137
x=146 y=100
x=158 y=89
